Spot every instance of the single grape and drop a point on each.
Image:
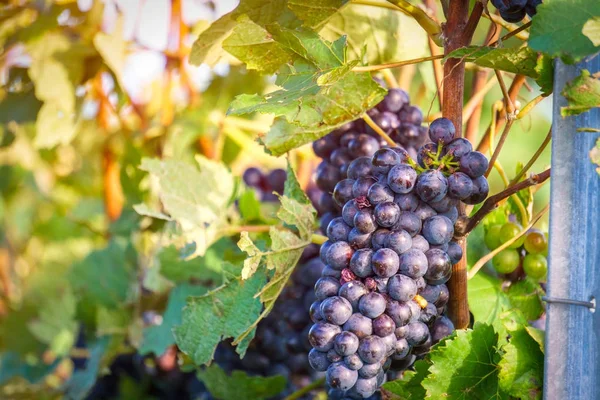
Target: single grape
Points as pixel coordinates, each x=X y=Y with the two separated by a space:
x=492 y=237
x=385 y=262
x=360 y=325
x=379 y=238
x=387 y=214
x=439 y=267
x=360 y=263
x=411 y=115
x=333 y=356
x=334 y=273
x=347 y=138
x=426 y=155
x=474 y=164
x=369 y=370
x=413 y=263
x=444 y=296
x=338 y=255
x=364 y=221
x=513 y=17
x=431 y=293
x=349 y=211
x=432 y=185
x=508 y=231
x=394 y=100
x=371 y=349
x=386 y=120
x=401 y=288
x=384 y=159
x=438 y=230
x=379 y=193
x=420 y=243
x=444 y=205
x=535 y=242
x=402 y=349
x=402 y=178
x=460 y=185
x=372 y=305
x=424 y=211
x=318 y=360
x=481 y=190
x=346 y=343
x=327 y=176
x=253 y=177
x=322 y=334
x=336 y=310
x=398 y=241
x=451 y=214
x=442 y=131
x=315 y=311
x=363 y=145
x=441 y=328
x=407 y=202
x=458 y=148
x=365 y=387
x=353 y=362
x=342 y=193
x=324 y=249
x=276 y=179
x=418 y=333
x=535 y=266
x=326 y=287
x=409 y=222
x=340 y=157
x=353 y=291
x=324 y=146
x=362 y=185
x=428 y=314
x=455 y=252
x=399 y=312
x=359 y=168
x=358 y=240
x=339 y=376
x=383 y=325
x=506 y=261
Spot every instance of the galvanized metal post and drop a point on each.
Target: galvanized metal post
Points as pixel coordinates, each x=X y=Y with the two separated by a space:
x=572 y=365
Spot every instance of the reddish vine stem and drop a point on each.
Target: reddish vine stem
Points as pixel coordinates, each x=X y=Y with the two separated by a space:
x=492 y=202
x=458 y=32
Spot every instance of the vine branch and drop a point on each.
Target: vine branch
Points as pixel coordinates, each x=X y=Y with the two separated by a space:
x=433 y=29
x=378 y=67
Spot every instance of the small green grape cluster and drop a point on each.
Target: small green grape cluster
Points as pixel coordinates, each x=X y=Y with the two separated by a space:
x=529 y=251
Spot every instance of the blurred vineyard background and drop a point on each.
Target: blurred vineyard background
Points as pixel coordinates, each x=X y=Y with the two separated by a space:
x=90 y=88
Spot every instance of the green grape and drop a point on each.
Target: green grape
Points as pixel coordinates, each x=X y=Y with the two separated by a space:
x=535 y=266
x=492 y=237
x=535 y=242
x=506 y=261
x=508 y=231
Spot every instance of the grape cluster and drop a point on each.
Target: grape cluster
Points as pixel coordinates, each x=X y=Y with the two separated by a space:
x=265 y=184
x=280 y=346
x=515 y=10
x=529 y=251
x=382 y=295
x=394 y=114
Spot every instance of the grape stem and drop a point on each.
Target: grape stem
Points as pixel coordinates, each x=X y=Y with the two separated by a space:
x=507 y=25
x=378 y=129
x=496 y=153
x=511 y=34
x=306 y=389
x=433 y=29
x=318 y=239
x=534 y=158
x=492 y=202
x=510 y=107
x=479 y=264
x=378 y=67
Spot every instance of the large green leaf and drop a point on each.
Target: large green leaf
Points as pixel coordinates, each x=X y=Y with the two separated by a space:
x=487 y=301
x=558 y=28
x=239 y=386
x=226 y=312
x=410 y=386
x=465 y=367
x=158 y=338
x=526 y=296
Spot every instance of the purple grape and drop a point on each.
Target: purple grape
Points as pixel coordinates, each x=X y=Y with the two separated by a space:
x=383 y=325
x=440 y=267
x=441 y=328
x=432 y=186
x=384 y=159
x=323 y=250
x=424 y=211
x=362 y=185
x=428 y=314
x=402 y=178
x=379 y=238
x=326 y=287
x=438 y=230
x=363 y=145
x=339 y=376
x=327 y=176
x=359 y=168
x=411 y=115
x=394 y=100
x=333 y=356
x=349 y=211
x=418 y=333
x=346 y=343
x=315 y=311
x=442 y=131
x=451 y=214
x=342 y=193
x=334 y=273
x=353 y=362
x=407 y=202
x=276 y=180
x=398 y=241
x=425 y=155
x=409 y=222
x=379 y=193
x=353 y=291
x=385 y=262
x=324 y=146
x=401 y=288
x=358 y=240
x=338 y=255
x=364 y=221
x=371 y=349
x=387 y=214
x=338 y=230
x=336 y=310
x=455 y=252
x=458 y=148
x=360 y=263
x=365 y=387
x=431 y=293
x=399 y=312
x=372 y=305
x=413 y=263
x=402 y=349
x=340 y=157
x=444 y=205
x=386 y=120
x=318 y=360
x=360 y=325
x=480 y=191
x=474 y=164
x=369 y=370
x=322 y=334
x=254 y=178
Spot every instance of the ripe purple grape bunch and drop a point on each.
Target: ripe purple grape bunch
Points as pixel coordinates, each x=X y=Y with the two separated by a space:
x=515 y=10
x=381 y=299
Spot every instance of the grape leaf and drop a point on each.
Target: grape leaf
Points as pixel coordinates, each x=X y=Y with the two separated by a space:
x=525 y=295
x=487 y=301
x=557 y=29
x=582 y=93
x=383 y=35
x=522 y=366
x=240 y=386
x=55 y=324
x=83 y=380
x=292 y=187
x=104 y=276
x=315 y=13
x=409 y=387
x=158 y=338
x=227 y=311
x=523 y=61
x=537 y=335
x=591 y=29
x=54 y=126
x=465 y=367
